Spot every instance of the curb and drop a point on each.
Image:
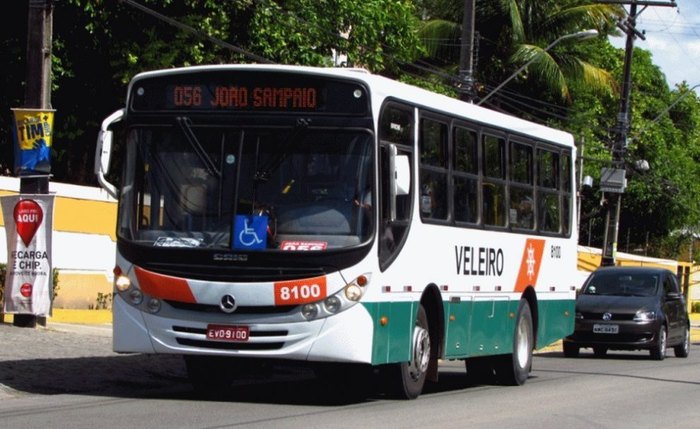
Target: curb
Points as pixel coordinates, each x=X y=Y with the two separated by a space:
x=78 y=317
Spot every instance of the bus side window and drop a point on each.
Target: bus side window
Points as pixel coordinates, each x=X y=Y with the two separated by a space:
x=549 y=213
x=494 y=188
x=522 y=203
x=566 y=193
x=433 y=171
x=465 y=175
x=396 y=125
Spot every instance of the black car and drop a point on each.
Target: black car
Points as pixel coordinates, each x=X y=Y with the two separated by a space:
x=630 y=308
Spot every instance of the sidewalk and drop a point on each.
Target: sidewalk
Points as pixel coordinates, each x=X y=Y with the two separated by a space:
x=80 y=317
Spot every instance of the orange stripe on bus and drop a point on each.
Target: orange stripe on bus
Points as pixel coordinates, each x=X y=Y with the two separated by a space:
x=530 y=264
x=164 y=287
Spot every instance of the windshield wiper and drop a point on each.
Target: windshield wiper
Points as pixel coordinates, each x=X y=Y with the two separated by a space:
x=263 y=173
x=186 y=126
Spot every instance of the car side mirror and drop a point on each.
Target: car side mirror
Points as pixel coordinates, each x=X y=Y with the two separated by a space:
x=673 y=296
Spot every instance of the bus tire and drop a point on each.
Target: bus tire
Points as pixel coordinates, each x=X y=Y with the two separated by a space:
x=406 y=380
x=513 y=369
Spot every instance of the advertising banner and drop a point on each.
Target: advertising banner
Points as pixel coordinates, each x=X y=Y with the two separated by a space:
x=32 y=134
x=29 y=277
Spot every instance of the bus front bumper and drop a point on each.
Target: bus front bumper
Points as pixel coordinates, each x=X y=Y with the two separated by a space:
x=344 y=337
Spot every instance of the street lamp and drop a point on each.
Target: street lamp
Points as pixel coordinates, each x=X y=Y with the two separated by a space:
x=581 y=35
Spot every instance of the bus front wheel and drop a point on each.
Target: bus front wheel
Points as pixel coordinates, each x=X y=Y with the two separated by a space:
x=406 y=380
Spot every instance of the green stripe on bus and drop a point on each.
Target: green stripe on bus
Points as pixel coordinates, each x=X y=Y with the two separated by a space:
x=556 y=320
x=391 y=340
x=472 y=328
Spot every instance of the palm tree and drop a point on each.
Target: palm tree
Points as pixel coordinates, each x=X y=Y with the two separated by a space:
x=515 y=32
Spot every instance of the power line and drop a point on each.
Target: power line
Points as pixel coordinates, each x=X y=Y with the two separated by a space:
x=420 y=65
x=194 y=31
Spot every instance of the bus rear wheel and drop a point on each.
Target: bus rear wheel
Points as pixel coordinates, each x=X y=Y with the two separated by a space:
x=406 y=380
x=513 y=369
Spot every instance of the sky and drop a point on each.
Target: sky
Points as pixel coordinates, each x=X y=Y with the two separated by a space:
x=673 y=37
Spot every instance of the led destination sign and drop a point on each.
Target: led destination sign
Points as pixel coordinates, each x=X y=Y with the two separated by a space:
x=248 y=91
x=241 y=97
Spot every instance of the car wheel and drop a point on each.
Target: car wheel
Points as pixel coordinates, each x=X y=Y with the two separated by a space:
x=658 y=351
x=682 y=350
x=571 y=350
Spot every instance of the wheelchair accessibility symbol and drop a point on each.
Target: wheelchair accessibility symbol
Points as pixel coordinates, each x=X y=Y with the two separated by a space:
x=250 y=232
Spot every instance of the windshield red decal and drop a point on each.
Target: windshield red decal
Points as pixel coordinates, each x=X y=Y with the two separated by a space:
x=530 y=264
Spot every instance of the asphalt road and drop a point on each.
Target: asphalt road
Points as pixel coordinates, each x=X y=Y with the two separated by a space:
x=67 y=377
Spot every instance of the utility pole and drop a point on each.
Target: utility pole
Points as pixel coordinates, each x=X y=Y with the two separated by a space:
x=38 y=96
x=466 y=57
x=613 y=180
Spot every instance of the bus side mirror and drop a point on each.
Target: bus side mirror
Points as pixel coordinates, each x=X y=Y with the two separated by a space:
x=402 y=175
x=399 y=176
x=103 y=151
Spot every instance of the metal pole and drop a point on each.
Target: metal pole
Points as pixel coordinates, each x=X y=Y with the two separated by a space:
x=619 y=145
x=37 y=95
x=466 y=60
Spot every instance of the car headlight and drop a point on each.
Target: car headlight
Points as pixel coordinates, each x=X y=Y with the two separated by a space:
x=644 y=316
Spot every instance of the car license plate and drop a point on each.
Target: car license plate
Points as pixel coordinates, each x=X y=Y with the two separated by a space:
x=228 y=333
x=606 y=329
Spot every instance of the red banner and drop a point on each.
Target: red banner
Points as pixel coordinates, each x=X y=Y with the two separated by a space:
x=29 y=276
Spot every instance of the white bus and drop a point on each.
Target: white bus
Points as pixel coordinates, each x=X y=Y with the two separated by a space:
x=340 y=219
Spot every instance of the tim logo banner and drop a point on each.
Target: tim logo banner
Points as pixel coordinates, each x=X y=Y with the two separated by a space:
x=32 y=133
x=29 y=277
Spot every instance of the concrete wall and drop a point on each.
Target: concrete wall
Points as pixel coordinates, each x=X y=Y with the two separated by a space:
x=84 y=241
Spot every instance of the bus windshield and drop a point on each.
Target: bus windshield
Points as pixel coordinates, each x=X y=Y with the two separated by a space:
x=247 y=188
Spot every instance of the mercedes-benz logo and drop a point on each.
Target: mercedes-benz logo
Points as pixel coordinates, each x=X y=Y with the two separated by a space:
x=228 y=304
x=607 y=316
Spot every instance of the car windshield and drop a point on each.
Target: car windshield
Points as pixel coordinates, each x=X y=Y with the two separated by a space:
x=622 y=284
x=293 y=189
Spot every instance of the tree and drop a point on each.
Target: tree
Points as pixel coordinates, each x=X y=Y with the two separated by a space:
x=513 y=33
x=99 y=46
x=375 y=34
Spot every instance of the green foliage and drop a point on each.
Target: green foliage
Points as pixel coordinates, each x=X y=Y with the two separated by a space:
x=375 y=34
x=103 y=301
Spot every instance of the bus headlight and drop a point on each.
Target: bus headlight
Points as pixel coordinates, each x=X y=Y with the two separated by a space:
x=309 y=311
x=135 y=296
x=356 y=288
x=122 y=283
x=353 y=292
x=332 y=304
x=153 y=305
x=340 y=301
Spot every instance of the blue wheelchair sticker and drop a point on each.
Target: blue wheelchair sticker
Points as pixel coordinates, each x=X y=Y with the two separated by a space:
x=250 y=232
